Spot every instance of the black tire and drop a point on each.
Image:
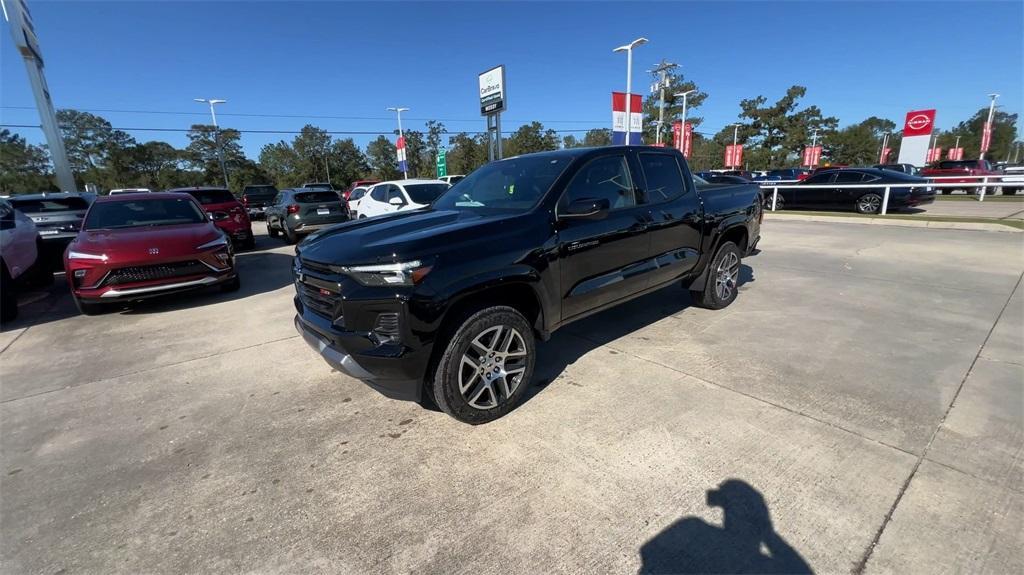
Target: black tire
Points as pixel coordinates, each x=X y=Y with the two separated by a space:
x=722 y=283
x=290 y=237
x=270 y=229
x=780 y=202
x=231 y=286
x=8 y=296
x=249 y=243
x=445 y=385
x=88 y=308
x=870 y=203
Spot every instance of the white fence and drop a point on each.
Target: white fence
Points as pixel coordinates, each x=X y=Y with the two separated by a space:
x=933 y=183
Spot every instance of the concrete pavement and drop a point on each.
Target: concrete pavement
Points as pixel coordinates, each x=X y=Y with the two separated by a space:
x=857 y=409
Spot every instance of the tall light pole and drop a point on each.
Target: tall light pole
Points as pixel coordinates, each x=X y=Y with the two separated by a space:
x=988 y=125
x=735 y=134
x=216 y=135
x=662 y=71
x=684 y=95
x=628 y=49
x=881 y=152
x=401 y=137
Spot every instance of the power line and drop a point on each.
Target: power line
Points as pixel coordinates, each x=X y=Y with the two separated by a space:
x=291 y=116
x=332 y=132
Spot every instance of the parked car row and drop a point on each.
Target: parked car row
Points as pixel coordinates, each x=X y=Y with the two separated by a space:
x=816 y=192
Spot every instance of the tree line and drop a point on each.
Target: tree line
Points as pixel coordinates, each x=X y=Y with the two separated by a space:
x=774 y=134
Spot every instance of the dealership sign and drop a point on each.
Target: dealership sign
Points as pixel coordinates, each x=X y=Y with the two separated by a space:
x=636 y=124
x=493 y=98
x=734 y=155
x=917 y=136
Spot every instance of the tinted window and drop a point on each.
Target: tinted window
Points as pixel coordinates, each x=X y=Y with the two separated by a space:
x=425 y=193
x=819 y=178
x=161 y=212
x=604 y=178
x=380 y=193
x=664 y=178
x=316 y=197
x=849 y=177
x=516 y=184
x=49 y=205
x=262 y=192
x=356 y=194
x=206 y=197
x=318 y=187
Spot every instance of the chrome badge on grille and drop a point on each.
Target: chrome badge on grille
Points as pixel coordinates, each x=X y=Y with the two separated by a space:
x=154 y=251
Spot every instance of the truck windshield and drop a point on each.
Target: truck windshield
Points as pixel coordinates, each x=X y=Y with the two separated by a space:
x=514 y=185
x=136 y=213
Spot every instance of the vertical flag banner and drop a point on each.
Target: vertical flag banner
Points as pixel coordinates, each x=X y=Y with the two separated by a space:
x=883 y=158
x=955 y=154
x=677 y=134
x=934 y=155
x=687 y=139
x=636 y=124
x=733 y=155
x=986 y=137
x=917 y=137
x=812 y=155
x=400 y=148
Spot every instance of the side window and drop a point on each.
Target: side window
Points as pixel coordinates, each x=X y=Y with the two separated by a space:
x=394 y=192
x=820 y=178
x=664 y=177
x=379 y=193
x=605 y=178
x=849 y=177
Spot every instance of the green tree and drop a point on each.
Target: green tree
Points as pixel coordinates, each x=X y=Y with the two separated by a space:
x=380 y=154
x=466 y=153
x=597 y=137
x=1004 y=134
x=281 y=163
x=24 y=168
x=416 y=155
x=677 y=84
x=858 y=144
x=92 y=144
x=348 y=163
x=312 y=146
x=530 y=138
x=435 y=136
x=202 y=152
x=570 y=141
x=780 y=130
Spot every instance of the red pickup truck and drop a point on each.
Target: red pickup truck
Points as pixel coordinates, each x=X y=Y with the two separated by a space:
x=948 y=168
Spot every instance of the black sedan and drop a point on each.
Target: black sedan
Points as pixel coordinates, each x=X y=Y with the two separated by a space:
x=836 y=191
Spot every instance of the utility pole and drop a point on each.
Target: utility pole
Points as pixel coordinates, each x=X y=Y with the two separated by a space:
x=988 y=126
x=402 y=163
x=628 y=49
x=662 y=71
x=216 y=136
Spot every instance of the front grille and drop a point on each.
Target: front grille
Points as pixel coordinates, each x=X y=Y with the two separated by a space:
x=320 y=301
x=155 y=272
x=316 y=267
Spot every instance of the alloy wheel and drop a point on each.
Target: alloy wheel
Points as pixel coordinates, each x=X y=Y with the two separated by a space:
x=869 y=204
x=493 y=367
x=726 y=276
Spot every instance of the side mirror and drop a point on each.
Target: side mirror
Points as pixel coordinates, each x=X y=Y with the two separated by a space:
x=587 y=208
x=209 y=216
x=396 y=201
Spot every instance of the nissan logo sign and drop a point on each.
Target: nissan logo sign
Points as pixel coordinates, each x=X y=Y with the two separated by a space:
x=919 y=122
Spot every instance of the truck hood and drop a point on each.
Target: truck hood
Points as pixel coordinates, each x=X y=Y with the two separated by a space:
x=130 y=243
x=406 y=235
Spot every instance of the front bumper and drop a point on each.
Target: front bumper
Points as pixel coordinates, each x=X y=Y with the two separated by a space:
x=133 y=292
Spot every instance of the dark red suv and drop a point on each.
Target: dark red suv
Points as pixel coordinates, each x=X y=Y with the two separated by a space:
x=228 y=213
x=134 y=246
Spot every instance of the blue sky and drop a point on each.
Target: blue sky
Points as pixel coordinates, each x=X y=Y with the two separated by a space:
x=857 y=59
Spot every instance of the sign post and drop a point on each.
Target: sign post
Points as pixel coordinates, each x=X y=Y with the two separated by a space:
x=493 y=101
x=442 y=163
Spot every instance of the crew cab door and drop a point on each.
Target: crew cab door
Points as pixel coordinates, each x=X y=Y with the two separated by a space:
x=675 y=215
x=602 y=259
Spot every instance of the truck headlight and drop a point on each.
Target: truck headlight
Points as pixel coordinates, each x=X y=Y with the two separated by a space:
x=400 y=274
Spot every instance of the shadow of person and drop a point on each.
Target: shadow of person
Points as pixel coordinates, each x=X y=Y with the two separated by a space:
x=746 y=542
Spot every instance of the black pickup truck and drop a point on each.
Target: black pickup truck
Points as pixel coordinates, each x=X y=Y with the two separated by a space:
x=445 y=303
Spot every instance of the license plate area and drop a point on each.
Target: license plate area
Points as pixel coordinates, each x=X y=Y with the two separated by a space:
x=323 y=211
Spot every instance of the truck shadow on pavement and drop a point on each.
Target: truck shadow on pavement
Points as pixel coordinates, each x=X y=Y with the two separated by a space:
x=584 y=336
x=745 y=543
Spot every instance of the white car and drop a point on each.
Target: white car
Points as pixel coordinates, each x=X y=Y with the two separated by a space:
x=399 y=196
x=130 y=191
x=451 y=180
x=355 y=198
x=19 y=250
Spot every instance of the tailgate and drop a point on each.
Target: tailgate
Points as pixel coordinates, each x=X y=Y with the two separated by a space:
x=322 y=213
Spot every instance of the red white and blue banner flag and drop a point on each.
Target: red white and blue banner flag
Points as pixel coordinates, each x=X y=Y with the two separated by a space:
x=636 y=121
x=400 y=148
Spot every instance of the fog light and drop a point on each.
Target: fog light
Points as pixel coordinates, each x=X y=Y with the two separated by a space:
x=386 y=328
x=79 y=274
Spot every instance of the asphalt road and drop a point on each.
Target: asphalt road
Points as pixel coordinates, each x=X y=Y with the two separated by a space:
x=859 y=408
x=976 y=209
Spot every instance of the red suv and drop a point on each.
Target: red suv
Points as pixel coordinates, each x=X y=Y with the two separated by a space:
x=134 y=246
x=227 y=212
x=356 y=184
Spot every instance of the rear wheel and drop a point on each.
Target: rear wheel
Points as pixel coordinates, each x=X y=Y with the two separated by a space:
x=869 y=204
x=270 y=229
x=780 y=202
x=289 y=236
x=722 y=284
x=486 y=367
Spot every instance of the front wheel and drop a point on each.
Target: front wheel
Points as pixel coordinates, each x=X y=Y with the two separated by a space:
x=486 y=367
x=8 y=297
x=780 y=202
x=869 y=204
x=722 y=283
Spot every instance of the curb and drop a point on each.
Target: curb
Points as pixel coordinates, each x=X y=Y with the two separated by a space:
x=881 y=221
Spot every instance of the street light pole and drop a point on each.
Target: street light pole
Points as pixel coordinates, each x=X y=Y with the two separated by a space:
x=628 y=49
x=814 y=144
x=735 y=133
x=216 y=136
x=885 y=142
x=401 y=136
x=988 y=124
